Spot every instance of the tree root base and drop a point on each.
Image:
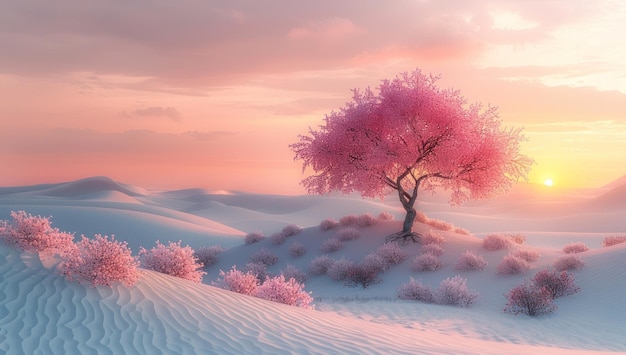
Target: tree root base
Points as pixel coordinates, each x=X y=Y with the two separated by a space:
x=403 y=238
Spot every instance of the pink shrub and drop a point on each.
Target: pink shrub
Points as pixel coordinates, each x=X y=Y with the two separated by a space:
x=568 y=262
x=512 y=265
x=237 y=281
x=101 y=261
x=348 y=233
x=259 y=270
x=559 y=284
x=391 y=253
x=363 y=275
x=574 y=248
x=264 y=256
x=425 y=262
x=432 y=248
x=348 y=220
x=421 y=217
x=254 y=237
x=35 y=234
x=296 y=250
x=529 y=299
x=340 y=269
x=453 y=292
x=613 y=240
x=439 y=224
x=278 y=238
x=432 y=237
x=289 y=292
x=331 y=244
x=470 y=261
x=365 y=220
x=528 y=255
x=320 y=264
x=385 y=216
x=495 y=242
x=463 y=231
x=328 y=224
x=207 y=256
x=173 y=260
x=375 y=262
x=517 y=238
x=292 y=272
x=291 y=229
x=416 y=291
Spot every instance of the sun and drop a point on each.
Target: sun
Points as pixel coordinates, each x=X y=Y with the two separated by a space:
x=548 y=182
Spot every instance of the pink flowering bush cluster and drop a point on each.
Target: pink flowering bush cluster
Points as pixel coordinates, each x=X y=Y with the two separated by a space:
x=391 y=253
x=530 y=300
x=459 y=230
x=348 y=220
x=452 y=291
x=470 y=261
x=208 y=256
x=425 y=262
x=330 y=245
x=237 y=281
x=296 y=250
x=287 y=291
x=385 y=216
x=517 y=238
x=328 y=224
x=101 y=261
x=365 y=220
x=613 y=240
x=526 y=254
x=320 y=265
x=432 y=237
x=291 y=229
x=35 y=234
x=568 y=262
x=495 y=242
x=535 y=297
x=254 y=237
x=574 y=248
x=347 y=233
x=292 y=272
x=278 y=238
x=340 y=269
x=172 y=259
x=432 y=248
x=259 y=270
x=264 y=256
x=512 y=265
x=363 y=275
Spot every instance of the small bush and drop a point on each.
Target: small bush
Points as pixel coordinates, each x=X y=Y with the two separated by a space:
x=340 y=269
x=101 y=261
x=529 y=299
x=425 y=262
x=348 y=220
x=254 y=237
x=328 y=224
x=289 y=292
x=439 y=224
x=559 y=284
x=365 y=220
x=237 y=281
x=574 y=248
x=463 y=231
x=421 y=217
x=35 y=234
x=259 y=270
x=391 y=253
x=495 y=242
x=207 y=256
x=613 y=240
x=432 y=237
x=453 y=292
x=470 y=261
x=264 y=256
x=296 y=250
x=320 y=264
x=517 y=238
x=512 y=265
x=568 y=262
x=291 y=229
x=173 y=260
x=278 y=238
x=348 y=233
x=292 y=272
x=385 y=216
x=330 y=245
x=416 y=291
x=375 y=262
x=432 y=248
x=363 y=275
x=528 y=255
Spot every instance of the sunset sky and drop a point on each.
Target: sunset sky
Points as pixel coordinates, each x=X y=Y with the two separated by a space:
x=180 y=94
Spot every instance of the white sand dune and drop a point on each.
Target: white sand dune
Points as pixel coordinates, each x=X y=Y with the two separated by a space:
x=42 y=313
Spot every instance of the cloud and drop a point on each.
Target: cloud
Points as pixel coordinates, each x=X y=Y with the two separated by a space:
x=155 y=111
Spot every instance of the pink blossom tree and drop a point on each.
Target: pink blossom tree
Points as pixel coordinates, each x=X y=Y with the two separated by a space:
x=411 y=135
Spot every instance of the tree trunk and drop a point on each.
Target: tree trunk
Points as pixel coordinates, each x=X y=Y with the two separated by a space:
x=407 y=235
x=407 y=226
